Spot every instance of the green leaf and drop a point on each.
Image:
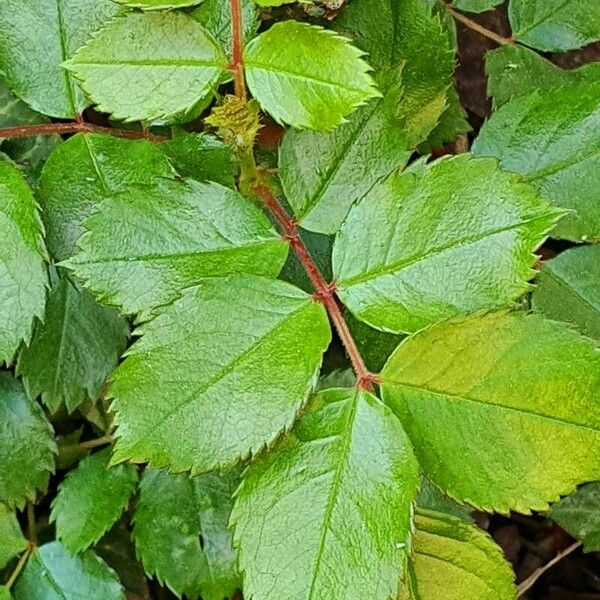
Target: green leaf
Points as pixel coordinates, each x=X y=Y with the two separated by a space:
x=158 y=4
x=12 y=541
x=181 y=533
x=145 y=245
x=578 y=514
x=569 y=289
x=323 y=174
x=85 y=170
x=514 y=71
x=453 y=239
x=553 y=140
x=52 y=573
x=431 y=498
x=396 y=31
x=91 y=499
x=455 y=560
x=327 y=513
x=215 y=15
x=273 y=2
x=219 y=373
x=306 y=76
x=202 y=157
x=555 y=25
x=129 y=75
x=45 y=34
x=28 y=152
x=23 y=276
x=27 y=444
x=5 y=593
x=476 y=6
x=483 y=401
x=73 y=350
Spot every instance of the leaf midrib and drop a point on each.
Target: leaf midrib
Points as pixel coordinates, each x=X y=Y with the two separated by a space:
x=465 y=398
x=334 y=489
x=205 y=385
x=411 y=260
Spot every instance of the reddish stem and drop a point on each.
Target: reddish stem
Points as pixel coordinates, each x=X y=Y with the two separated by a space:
x=237 y=51
x=75 y=127
x=324 y=292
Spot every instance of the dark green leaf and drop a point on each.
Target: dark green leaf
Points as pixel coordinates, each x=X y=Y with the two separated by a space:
x=145 y=245
x=91 y=499
x=26 y=444
x=483 y=401
x=476 y=6
x=219 y=373
x=553 y=140
x=23 y=277
x=181 y=533
x=514 y=71
x=73 y=350
x=327 y=513
x=555 y=25
x=84 y=171
x=456 y=237
x=147 y=66
x=578 y=514
x=52 y=573
x=45 y=33
x=306 y=76
x=569 y=289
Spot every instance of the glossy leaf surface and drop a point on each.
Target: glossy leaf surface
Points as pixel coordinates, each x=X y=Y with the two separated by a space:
x=453 y=239
x=327 y=514
x=145 y=245
x=132 y=77
x=219 y=373
x=552 y=139
x=484 y=401
x=306 y=76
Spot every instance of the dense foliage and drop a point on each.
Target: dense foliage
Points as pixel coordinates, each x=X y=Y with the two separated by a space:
x=291 y=370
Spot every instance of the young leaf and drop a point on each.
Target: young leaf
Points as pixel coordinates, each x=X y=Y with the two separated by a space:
x=476 y=6
x=555 y=25
x=85 y=170
x=307 y=76
x=158 y=4
x=144 y=245
x=462 y=217
x=323 y=174
x=455 y=560
x=29 y=152
x=73 y=350
x=143 y=67
x=181 y=533
x=45 y=34
x=553 y=139
x=91 y=499
x=219 y=373
x=569 y=289
x=483 y=400
x=52 y=573
x=12 y=541
x=578 y=514
x=405 y=31
x=23 y=276
x=215 y=15
x=514 y=71
x=26 y=444
x=202 y=157
x=327 y=513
